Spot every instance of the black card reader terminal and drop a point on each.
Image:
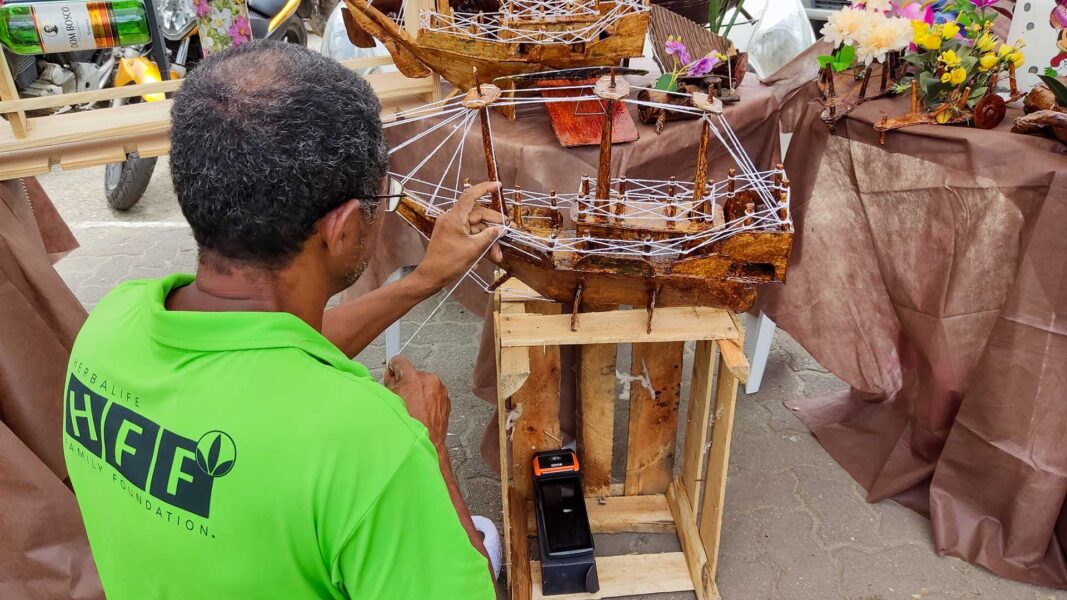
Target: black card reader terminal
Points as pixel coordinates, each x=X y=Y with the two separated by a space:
x=563 y=533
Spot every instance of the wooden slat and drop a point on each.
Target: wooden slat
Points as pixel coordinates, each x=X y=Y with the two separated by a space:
x=514 y=367
x=90 y=126
x=671 y=324
x=143 y=89
x=90 y=97
x=722 y=427
x=734 y=357
x=596 y=413
x=653 y=416
x=537 y=403
x=621 y=514
x=519 y=556
x=697 y=560
x=8 y=92
x=629 y=575
x=696 y=428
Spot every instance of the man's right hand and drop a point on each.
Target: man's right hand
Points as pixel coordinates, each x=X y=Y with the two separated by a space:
x=425 y=397
x=460 y=237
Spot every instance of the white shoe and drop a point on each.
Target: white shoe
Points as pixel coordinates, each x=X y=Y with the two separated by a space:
x=491 y=539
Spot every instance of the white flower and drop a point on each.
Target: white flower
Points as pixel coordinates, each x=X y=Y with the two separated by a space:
x=846 y=26
x=221 y=20
x=207 y=42
x=884 y=36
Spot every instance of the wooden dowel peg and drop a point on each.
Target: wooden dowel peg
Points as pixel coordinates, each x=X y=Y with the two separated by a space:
x=866 y=80
x=914 y=96
x=701 y=176
x=731 y=182
x=557 y=219
x=962 y=105
x=516 y=208
x=1012 y=81
x=750 y=209
x=884 y=124
x=622 y=185
x=830 y=81
x=583 y=188
x=603 y=171
x=670 y=186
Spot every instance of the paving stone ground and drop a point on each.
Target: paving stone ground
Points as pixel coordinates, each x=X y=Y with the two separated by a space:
x=796 y=526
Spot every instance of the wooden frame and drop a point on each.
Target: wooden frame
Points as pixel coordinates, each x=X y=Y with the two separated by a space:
x=652 y=499
x=36 y=145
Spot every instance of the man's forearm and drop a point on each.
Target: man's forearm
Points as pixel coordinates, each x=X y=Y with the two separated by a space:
x=458 y=502
x=354 y=325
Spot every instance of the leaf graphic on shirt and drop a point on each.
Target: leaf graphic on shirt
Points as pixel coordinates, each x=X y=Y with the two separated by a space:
x=223 y=468
x=213 y=455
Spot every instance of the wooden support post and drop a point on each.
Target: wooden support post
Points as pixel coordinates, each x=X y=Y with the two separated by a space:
x=654 y=393
x=519 y=577
x=914 y=97
x=688 y=535
x=696 y=427
x=517 y=207
x=828 y=74
x=536 y=405
x=596 y=412
x=9 y=93
x=885 y=77
x=718 y=459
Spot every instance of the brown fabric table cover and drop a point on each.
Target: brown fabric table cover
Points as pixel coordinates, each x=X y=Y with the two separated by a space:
x=44 y=552
x=930 y=274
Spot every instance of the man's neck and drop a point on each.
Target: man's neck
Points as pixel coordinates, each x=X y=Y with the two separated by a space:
x=242 y=288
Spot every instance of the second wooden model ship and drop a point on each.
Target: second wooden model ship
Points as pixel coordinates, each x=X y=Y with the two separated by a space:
x=631 y=241
x=512 y=37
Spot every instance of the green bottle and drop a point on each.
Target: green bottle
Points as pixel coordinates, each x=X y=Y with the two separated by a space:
x=47 y=26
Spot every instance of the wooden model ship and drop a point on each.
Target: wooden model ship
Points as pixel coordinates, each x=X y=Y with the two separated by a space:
x=638 y=242
x=516 y=36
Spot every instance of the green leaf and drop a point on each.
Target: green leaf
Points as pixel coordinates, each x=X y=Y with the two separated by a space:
x=824 y=60
x=1050 y=72
x=213 y=453
x=1059 y=90
x=977 y=93
x=914 y=59
x=666 y=83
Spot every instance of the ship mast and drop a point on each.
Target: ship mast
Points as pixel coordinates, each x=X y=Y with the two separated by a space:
x=612 y=90
x=480 y=98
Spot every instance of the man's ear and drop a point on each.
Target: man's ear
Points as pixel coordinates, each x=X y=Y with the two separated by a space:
x=341 y=226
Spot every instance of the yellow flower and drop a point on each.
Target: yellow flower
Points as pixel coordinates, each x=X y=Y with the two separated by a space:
x=949 y=58
x=930 y=41
x=955 y=76
x=1017 y=58
x=949 y=30
x=986 y=43
x=987 y=61
x=1004 y=50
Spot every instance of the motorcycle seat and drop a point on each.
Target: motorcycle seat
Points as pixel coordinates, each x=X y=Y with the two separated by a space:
x=267 y=8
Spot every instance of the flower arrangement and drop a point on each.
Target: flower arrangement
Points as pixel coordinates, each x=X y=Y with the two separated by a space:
x=684 y=65
x=958 y=59
x=865 y=32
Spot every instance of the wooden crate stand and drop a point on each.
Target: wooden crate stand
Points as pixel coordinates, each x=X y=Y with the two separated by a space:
x=652 y=499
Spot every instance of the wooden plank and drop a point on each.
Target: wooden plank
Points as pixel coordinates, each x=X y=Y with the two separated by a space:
x=514 y=367
x=596 y=413
x=535 y=425
x=654 y=395
x=8 y=92
x=145 y=118
x=718 y=461
x=519 y=558
x=622 y=514
x=391 y=85
x=670 y=324
x=734 y=357
x=696 y=427
x=697 y=560
x=104 y=95
x=629 y=575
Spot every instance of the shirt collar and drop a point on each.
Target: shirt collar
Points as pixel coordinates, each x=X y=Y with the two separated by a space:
x=235 y=330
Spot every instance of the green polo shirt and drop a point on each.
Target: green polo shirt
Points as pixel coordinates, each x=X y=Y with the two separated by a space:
x=242 y=455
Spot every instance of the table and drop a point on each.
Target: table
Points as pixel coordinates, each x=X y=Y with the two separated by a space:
x=930 y=274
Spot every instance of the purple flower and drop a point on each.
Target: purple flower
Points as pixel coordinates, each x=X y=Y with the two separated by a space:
x=703 y=66
x=983 y=3
x=202 y=8
x=677 y=47
x=240 y=32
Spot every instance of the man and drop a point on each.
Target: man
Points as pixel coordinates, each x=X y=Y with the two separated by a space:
x=220 y=442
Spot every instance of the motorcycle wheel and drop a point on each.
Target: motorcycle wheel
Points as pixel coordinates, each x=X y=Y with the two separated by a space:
x=295 y=32
x=125 y=182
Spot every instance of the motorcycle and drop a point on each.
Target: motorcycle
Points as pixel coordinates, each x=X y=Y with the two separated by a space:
x=283 y=20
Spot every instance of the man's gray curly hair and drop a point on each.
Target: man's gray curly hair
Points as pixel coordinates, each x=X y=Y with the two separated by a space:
x=266 y=139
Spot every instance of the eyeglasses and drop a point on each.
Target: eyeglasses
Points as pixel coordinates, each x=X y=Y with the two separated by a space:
x=396 y=193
